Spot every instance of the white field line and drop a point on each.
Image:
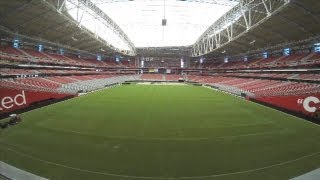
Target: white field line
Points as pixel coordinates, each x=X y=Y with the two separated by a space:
x=42 y=107
x=168 y=139
x=225 y=92
x=175 y=178
x=159 y=178
x=307 y=121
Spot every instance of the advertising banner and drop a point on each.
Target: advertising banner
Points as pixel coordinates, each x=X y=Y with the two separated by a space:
x=305 y=104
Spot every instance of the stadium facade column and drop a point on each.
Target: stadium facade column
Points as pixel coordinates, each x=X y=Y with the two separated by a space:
x=187 y=61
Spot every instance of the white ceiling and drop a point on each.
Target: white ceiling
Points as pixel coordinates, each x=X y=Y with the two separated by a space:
x=141 y=19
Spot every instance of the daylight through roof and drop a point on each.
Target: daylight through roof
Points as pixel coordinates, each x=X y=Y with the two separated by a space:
x=141 y=20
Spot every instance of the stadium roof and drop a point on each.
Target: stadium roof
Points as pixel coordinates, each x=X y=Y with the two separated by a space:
x=141 y=20
x=265 y=25
x=49 y=21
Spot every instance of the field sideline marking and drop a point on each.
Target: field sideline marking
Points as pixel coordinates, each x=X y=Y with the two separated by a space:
x=173 y=178
x=63 y=101
x=288 y=114
x=164 y=178
x=169 y=139
x=274 y=109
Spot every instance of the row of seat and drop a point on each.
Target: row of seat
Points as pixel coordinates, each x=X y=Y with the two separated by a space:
x=64 y=84
x=291 y=76
x=156 y=77
x=258 y=87
x=11 y=71
x=303 y=59
x=173 y=77
x=161 y=77
x=30 y=55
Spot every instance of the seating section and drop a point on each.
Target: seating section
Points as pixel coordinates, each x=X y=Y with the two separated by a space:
x=173 y=77
x=33 y=56
x=154 y=77
x=313 y=77
x=280 y=76
x=258 y=87
x=39 y=77
x=64 y=84
x=56 y=76
x=8 y=72
x=10 y=50
x=295 y=60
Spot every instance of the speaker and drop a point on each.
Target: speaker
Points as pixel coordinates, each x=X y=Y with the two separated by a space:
x=164 y=22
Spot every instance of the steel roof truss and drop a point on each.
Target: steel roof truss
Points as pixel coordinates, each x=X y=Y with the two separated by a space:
x=230 y=25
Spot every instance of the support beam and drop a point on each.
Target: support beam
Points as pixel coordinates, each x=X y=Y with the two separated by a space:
x=108 y=20
x=60 y=5
x=238 y=22
x=87 y=5
x=221 y=3
x=266 y=7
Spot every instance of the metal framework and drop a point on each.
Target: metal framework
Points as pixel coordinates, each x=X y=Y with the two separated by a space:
x=251 y=26
x=86 y=6
x=244 y=17
x=218 y=2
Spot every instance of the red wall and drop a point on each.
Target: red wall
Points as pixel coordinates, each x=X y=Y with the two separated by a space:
x=12 y=99
x=306 y=104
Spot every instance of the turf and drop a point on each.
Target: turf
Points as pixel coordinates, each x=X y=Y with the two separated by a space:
x=161 y=132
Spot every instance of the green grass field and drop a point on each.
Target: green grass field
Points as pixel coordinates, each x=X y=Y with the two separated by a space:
x=161 y=132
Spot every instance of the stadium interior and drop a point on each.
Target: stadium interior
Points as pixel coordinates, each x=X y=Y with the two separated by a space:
x=53 y=52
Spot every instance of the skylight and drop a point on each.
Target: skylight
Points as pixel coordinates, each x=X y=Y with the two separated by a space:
x=141 y=20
